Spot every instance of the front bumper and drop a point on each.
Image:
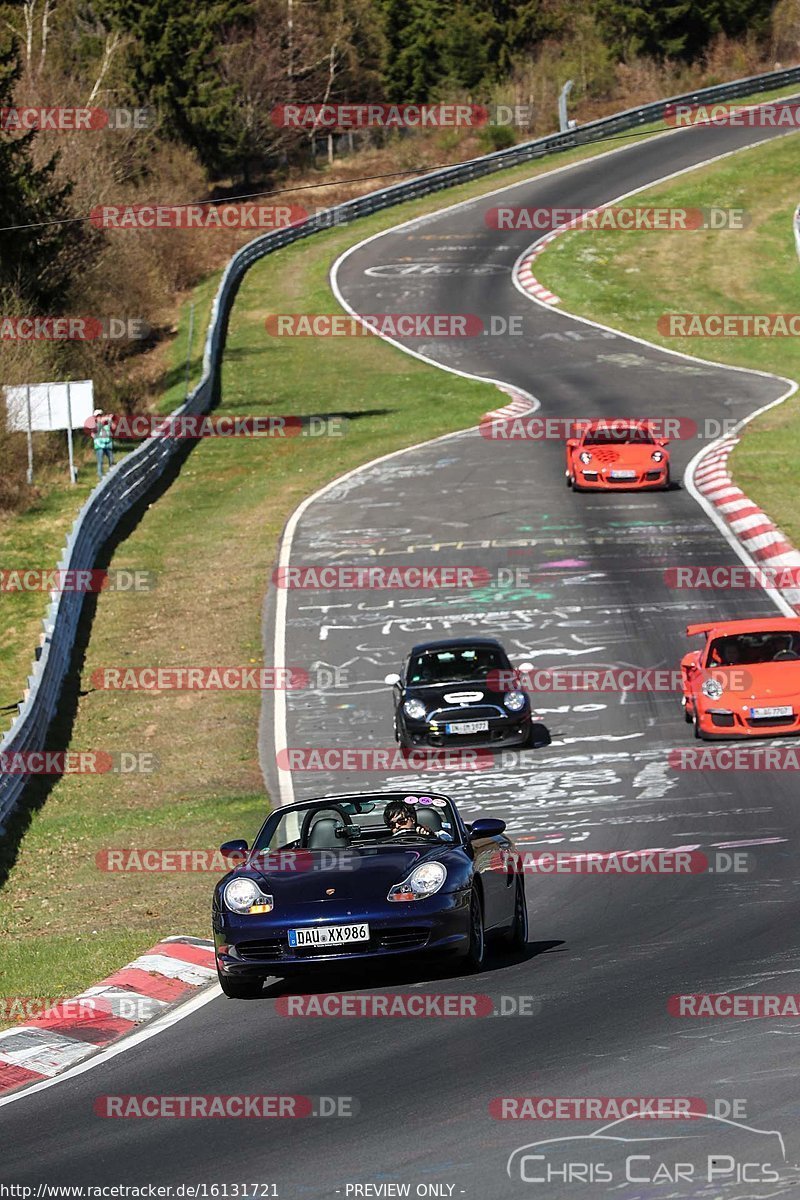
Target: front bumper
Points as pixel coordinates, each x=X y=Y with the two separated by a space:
x=653 y=478
x=513 y=730
x=736 y=725
x=259 y=945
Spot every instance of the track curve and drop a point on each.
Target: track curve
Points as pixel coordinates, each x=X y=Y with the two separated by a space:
x=607 y=952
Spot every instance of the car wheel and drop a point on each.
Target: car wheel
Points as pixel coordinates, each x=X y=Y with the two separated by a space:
x=404 y=740
x=687 y=716
x=476 y=955
x=240 y=988
x=568 y=479
x=517 y=936
x=667 y=481
x=698 y=733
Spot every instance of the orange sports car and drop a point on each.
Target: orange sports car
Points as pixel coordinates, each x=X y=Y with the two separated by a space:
x=745 y=682
x=609 y=455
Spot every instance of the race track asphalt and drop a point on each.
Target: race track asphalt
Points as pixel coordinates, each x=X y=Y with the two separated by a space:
x=605 y=952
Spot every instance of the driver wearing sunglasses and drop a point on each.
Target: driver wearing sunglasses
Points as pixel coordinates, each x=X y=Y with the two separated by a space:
x=401 y=818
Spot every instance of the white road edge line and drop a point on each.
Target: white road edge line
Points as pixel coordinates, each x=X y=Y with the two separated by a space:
x=205 y=996
x=792 y=385
x=280 y=730
x=212 y=992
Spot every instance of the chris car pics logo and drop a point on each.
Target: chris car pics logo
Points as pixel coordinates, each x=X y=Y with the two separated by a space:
x=707 y=1151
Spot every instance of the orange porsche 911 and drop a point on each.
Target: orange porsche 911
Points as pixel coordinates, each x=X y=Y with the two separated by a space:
x=745 y=682
x=613 y=455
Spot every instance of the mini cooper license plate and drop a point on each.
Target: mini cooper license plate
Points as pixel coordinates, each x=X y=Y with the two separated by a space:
x=782 y=710
x=329 y=935
x=622 y=474
x=466 y=727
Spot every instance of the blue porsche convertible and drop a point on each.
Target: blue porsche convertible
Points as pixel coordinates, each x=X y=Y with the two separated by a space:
x=376 y=875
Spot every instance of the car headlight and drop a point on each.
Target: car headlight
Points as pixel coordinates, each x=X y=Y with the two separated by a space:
x=514 y=701
x=414 y=709
x=245 y=896
x=423 y=881
x=657 y=455
x=585 y=456
x=713 y=689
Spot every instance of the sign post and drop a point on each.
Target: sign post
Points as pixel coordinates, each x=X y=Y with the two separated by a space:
x=30 y=408
x=29 y=432
x=72 y=472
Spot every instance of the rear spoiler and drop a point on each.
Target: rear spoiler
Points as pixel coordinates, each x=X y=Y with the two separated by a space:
x=692 y=630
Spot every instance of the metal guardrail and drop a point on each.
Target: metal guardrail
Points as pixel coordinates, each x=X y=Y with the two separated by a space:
x=134 y=475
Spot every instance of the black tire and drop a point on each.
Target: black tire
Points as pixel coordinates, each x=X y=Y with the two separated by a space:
x=401 y=737
x=517 y=936
x=667 y=481
x=697 y=731
x=476 y=954
x=243 y=987
x=687 y=716
x=569 y=479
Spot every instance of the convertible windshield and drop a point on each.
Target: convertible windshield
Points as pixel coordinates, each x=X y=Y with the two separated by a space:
x=615 y=436
x=455 y=666
x=347 y=824
x=747 y=649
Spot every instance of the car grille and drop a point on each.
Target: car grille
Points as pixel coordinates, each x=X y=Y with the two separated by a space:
x=478 y=712
x=404 y=938
x=268 y=948
x=401 y=939
x=770 y=722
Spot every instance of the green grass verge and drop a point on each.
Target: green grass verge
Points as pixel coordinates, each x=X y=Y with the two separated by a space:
x=38 y=538
x=210 y=541
x=629 y=279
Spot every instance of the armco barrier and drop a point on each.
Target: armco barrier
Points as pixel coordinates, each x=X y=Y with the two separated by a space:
x=135 y=474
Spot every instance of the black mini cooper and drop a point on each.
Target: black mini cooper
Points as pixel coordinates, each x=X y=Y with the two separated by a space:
x=463 y=691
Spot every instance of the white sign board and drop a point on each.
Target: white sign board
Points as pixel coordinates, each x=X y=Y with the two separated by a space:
x=51 y=406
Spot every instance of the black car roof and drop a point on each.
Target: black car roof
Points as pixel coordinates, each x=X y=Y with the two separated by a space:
x=454 y=644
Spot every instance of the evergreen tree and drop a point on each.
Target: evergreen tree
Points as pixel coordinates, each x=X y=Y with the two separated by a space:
x=35 y=263
x=174 y=67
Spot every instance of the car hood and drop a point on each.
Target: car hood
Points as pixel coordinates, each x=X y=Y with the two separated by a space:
x=359 y=873
x=457 y=695
x=770 y=683
x=625 y=455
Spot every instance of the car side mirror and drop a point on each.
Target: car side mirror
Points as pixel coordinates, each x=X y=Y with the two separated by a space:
x=392 y=679
x=486 y=827
x=234 y=849
x=662 y=441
